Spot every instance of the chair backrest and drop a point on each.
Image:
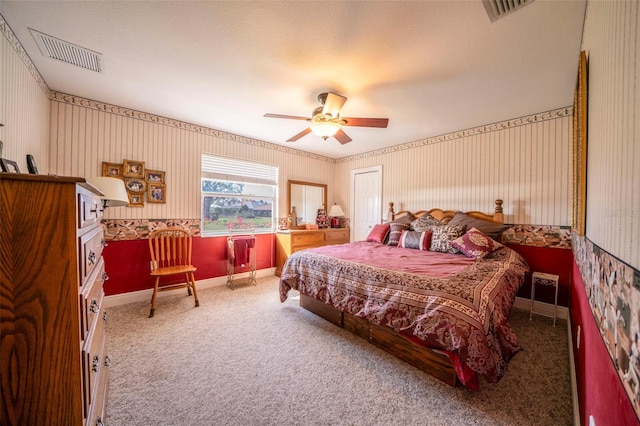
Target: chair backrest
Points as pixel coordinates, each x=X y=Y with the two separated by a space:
x=170 y=247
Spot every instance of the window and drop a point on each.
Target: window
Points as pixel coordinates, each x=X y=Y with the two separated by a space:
x=237 y=195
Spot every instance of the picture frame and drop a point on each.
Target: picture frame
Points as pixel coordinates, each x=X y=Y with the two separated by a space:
x=113 y=170
x=135 y=186
x=133 y=169
x=136 y=200
x=156 y=193
x=9 y=166
x=154 y=176
x=31 y=165
x=579 y=151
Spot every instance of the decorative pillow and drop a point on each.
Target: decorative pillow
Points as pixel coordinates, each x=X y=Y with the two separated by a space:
x=425 y=223
x=415 y=240
x=395 y=231
x=407 y=218
x=476 y=244
x=443 y=235
x=491 y=229
x=379 y=233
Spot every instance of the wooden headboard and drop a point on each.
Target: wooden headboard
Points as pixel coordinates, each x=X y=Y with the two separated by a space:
x=445 y=215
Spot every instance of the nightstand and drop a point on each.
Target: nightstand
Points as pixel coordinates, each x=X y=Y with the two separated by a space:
x=540 y=278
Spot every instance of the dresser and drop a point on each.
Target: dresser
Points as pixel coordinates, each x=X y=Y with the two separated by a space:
x=291 y=241
x=53 y=360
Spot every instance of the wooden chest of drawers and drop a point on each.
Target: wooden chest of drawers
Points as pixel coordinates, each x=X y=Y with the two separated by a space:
x=288 y=242
x=52 y=329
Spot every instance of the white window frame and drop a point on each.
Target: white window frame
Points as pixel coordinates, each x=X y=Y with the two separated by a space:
x=234 y=170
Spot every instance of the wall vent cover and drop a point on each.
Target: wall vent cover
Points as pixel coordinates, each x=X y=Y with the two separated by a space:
x=64 y=51
x=496 y=9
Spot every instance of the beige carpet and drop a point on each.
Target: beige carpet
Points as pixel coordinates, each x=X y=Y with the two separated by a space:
x=243 y=358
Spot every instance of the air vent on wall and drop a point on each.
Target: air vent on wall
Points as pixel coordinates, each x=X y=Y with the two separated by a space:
x=498 y=8
x=67 y=52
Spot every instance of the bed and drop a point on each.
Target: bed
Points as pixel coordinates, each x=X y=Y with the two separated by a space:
x=442 y=311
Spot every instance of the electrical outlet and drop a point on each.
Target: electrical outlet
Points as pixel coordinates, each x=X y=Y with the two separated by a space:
x=578 y=339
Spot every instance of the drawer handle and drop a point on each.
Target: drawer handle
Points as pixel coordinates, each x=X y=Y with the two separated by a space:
x=95 y=307
x=107 y=361
x=105 y=277
x=99 y=421
x=104 y=316
x=92 y=257
x=95 y=363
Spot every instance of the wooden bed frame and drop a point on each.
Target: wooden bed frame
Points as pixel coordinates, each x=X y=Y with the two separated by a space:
x=446 y=215
x=431 y=361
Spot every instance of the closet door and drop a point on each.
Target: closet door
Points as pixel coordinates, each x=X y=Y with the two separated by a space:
x=366 y=196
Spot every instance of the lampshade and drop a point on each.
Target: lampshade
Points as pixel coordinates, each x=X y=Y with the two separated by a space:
x=324 y=129
x=115 y=194
x=336 y=211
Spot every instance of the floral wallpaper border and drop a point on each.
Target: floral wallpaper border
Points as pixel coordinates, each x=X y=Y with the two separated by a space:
x=613 y=291
x=136 y=229
x=139 y=229
x=538 y=236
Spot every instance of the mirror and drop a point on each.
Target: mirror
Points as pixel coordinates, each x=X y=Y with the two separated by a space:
x=307 y=198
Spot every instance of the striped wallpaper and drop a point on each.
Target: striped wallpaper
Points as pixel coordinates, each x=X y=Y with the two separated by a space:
x=84 y=134
x=612 y=43
x=24 y=106
x=523 y=162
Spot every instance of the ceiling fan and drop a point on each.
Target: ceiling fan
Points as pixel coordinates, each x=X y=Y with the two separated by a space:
x=326 y=120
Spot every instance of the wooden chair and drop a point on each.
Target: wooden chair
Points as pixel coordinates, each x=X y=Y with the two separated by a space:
x=171 y=255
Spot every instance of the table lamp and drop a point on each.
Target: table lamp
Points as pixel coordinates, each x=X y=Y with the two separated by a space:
x=335 y=213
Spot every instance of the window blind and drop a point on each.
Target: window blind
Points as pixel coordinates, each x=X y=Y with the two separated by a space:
x=232 y=169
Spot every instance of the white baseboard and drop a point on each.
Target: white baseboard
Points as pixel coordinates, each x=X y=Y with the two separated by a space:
x=575 y=403
x=145 y=295
x=541 y=308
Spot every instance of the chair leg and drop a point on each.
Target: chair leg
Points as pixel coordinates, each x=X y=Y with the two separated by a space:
x=188 y=286
x=195 y=292
x=153 y=298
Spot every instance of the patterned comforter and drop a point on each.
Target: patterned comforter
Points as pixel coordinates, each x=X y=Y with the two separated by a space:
x=445 y=301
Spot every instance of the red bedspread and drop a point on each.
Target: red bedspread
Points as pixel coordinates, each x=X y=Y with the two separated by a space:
x=446 y=301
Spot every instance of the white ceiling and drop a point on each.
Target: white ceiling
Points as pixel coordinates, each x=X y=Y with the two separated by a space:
x=431 y=67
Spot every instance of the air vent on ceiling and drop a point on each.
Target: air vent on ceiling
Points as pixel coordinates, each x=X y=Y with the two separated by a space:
x=67 y=52
x=498 y=8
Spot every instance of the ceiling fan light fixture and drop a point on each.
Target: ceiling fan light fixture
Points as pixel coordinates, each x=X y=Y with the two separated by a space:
x=325 y=129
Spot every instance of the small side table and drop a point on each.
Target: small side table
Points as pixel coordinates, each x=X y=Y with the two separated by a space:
x=540 y=278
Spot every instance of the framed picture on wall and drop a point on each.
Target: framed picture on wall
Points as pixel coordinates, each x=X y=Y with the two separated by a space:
x=135 y=186
x=133 y=169
x=112 y=170
x=154 y=176
x=136 y=200
x=156 y=193
x=579 y=152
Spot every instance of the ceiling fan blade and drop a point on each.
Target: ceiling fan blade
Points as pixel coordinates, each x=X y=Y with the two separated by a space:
x=366 y=122
x=333 y=104
x=299 y=135
x=342 y=137
x=293 y=117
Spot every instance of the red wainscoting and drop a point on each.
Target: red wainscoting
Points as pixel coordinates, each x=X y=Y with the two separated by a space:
x=600 y=390
x=127 y=262
x=555 y=261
